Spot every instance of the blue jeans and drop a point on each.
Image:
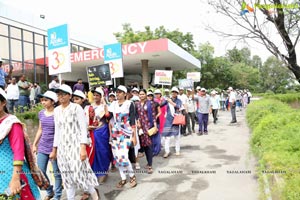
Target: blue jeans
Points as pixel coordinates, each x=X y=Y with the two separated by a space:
x=12 y=105
x=42 y=161
x=23 y=102
x=203 y=121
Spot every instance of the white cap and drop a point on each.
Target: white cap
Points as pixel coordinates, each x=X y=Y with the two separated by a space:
x=99 y=91
x=198 y=88
x=64 y=88
x=174 y=89
x=135 y=98
x=135 y=89
x=122 y=88
x=49 y=95
x=149 y=93
x=167 y=90
x=181 y=88
x=79 y=93
x=230 y=88
x=112 y=94
x=157 y=91
x=189 y=89
x=3 y=93
x=203 y=89
x=213 y=92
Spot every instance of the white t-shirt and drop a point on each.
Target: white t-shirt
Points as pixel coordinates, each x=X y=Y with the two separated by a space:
x=12 y=92
x=232 y=97
x=184 y=99
x=53 y=85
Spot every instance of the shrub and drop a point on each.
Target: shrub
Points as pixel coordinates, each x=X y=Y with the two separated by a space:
x=275 y=140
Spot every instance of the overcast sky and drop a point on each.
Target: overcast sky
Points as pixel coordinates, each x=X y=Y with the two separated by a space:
x=95 y=21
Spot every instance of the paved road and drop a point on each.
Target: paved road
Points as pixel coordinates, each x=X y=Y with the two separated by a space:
x=217 y=166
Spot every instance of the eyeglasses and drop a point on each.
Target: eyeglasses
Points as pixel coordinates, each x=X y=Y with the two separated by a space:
x=62 y=94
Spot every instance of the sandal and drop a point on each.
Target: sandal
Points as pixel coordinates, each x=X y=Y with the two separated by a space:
x=48 y=197
x=150 y=170
x=132 y=181
x=121 y=183
x=85 y=196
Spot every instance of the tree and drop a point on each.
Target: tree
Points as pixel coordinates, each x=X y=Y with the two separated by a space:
x=185 y=41
x=259 y=23
x=274 y=76
x=128 y=35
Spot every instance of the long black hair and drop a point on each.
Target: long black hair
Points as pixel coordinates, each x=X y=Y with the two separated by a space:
x=2 y=99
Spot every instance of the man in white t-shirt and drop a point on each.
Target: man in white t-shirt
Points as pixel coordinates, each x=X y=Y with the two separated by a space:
x=12 y=95
x=184 y=99
x=54 y=84
x=232 y=103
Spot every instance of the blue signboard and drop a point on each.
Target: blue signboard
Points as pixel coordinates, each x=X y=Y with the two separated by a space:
x=112 y=52
x=58 y=37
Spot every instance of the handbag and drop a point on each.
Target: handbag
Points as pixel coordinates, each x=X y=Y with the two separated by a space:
x=152 y=131
x=179 y=119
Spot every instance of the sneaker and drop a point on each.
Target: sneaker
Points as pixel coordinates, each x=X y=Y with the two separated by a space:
x=233 y=122
x=166 y=155
x=199 y=133
x=205 y=133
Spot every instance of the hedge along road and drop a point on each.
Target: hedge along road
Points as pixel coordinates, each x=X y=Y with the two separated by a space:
x=217 y=166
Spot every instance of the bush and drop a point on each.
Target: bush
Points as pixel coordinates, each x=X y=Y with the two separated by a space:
x=275 y=140
x=31 y=114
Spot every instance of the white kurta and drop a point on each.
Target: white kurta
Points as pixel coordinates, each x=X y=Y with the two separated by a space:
x=70 y=133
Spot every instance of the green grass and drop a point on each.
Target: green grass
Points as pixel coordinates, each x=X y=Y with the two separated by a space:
x=275 y=141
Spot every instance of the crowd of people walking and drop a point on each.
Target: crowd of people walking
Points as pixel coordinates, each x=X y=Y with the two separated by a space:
x=85 y=136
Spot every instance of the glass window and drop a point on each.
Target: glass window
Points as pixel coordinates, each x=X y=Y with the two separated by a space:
x=3 y=29
x=46 y=41
x=28 y=52
x=17 y=69
x=39 y=54
x=15 y=32
x=40 y=76
x=27 y=36
x=74 y=48
x=16 y=49
x=29 y=72
x=4 y=50
x=39 y=39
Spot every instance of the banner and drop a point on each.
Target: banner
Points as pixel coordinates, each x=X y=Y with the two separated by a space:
x=163 y=77
x=195 y=76
x=59 y=50
x=186 y=83
x=114 y=57
x=98 y=75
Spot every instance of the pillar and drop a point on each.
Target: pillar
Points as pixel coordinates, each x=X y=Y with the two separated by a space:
x=145 y=74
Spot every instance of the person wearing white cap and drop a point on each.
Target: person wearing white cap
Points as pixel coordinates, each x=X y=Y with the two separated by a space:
x=101 y=135
x=191 y=109
x=215 y=105
x=3 y=75
x=69 y=147
x=167 y=93
x=12 y=139
x=232 y=104
x=43 y=142
x=174 y=105
x=156 y=140
x=123 y=135
x=146 y=119
x=184 y=99
x=111 y=97
x=203 y=109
